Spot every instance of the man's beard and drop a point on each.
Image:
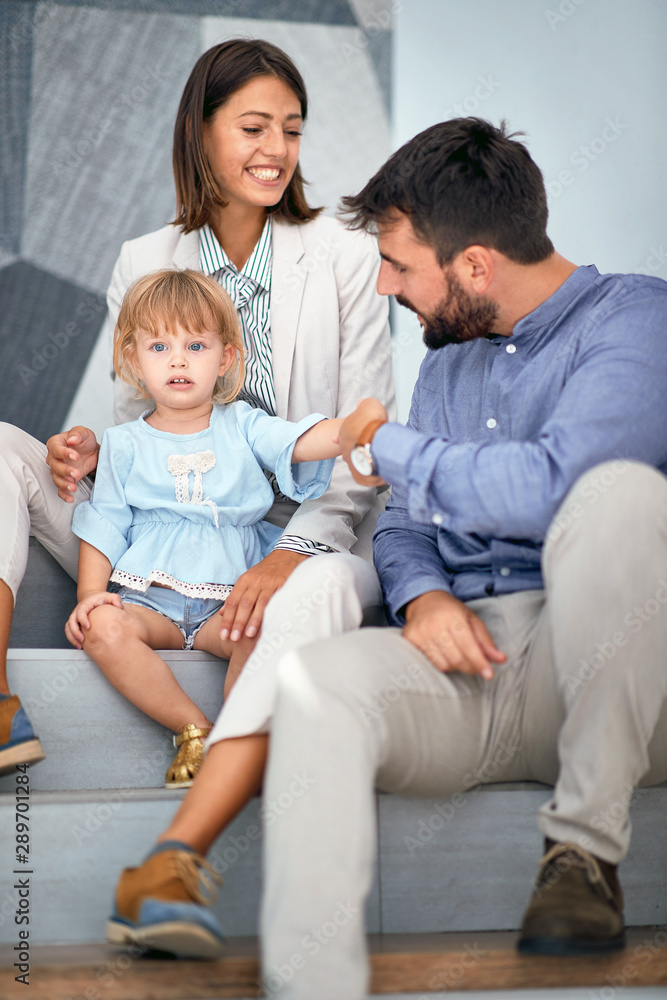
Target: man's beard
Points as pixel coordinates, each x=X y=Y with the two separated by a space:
x=458 y=318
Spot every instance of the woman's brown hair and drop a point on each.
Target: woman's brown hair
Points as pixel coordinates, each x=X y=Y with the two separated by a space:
x=216 y=75
x=159 y=302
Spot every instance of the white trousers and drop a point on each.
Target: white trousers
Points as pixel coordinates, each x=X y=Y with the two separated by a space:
x=29 y=502
x=581 y=702
x=325 y=596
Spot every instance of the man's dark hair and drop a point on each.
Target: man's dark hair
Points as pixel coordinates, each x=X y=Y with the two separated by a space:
x=461 y=182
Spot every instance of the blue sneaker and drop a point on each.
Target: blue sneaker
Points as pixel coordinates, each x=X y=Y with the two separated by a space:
x=18 y=743
x=162 y=905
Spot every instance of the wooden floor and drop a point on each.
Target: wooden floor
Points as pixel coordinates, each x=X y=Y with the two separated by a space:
x=400 y=964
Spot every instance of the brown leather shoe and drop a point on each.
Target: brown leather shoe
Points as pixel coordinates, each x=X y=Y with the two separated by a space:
x=577 y=905
x=163 y=903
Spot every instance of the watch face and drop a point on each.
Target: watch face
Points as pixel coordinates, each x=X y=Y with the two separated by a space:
x=361 y=460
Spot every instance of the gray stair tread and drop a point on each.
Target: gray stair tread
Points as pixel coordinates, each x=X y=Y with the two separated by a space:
x=92 y=736
x=97 y=804
x=475 y=876
x=79 y=844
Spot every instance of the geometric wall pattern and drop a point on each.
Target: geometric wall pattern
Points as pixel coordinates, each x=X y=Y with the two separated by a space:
x=88 y=96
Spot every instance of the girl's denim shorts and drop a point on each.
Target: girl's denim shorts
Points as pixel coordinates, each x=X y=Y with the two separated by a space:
x=188 y=613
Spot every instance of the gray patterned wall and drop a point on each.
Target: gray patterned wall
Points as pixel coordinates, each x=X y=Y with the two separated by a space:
x=88 y=96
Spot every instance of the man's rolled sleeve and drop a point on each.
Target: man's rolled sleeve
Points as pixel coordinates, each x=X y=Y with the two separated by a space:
x=392 y=449
x=406 y=458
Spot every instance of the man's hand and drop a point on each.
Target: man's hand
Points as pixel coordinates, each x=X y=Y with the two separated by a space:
x=79 y=620
x=367 y=410
x=71 y=456
x=450 y=635
x=244 y=608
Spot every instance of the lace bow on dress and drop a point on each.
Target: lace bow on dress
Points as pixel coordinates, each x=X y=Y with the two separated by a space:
x=181 y=466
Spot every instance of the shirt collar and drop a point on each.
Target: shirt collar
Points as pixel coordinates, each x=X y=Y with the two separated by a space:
x=558 y=304
x=257 y=268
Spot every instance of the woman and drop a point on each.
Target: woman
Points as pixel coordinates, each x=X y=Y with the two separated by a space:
x=316 y=338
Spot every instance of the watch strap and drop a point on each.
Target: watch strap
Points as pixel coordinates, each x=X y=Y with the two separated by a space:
x=368 y=432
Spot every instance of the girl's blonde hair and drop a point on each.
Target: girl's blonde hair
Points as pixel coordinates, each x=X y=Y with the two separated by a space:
x=158 y=303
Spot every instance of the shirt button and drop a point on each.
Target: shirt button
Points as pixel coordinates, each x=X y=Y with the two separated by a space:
x=511 y=348
x=437 y=518
x=489 y=588
x=505 y=571
x=491 y=423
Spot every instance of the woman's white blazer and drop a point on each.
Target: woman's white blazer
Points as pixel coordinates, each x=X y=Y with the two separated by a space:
x=330 y=343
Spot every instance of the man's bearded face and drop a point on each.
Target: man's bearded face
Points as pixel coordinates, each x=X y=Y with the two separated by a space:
x=458 y=317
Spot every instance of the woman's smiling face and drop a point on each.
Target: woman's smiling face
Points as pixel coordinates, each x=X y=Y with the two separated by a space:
x=252 y=142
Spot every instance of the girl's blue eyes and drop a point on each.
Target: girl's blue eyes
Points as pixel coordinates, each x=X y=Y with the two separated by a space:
x=160 y=348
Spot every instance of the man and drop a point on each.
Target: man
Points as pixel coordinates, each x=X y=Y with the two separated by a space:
x=526 y=532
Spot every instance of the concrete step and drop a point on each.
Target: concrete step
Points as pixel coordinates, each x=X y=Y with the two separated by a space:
x=474 y=875
x=97 y=803
x=93 y=737
x=400 y=964
x=80 y=842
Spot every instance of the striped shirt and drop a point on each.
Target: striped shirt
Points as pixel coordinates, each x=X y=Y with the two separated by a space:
x=250 y=291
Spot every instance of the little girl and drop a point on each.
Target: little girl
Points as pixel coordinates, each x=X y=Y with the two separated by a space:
x=176 y=511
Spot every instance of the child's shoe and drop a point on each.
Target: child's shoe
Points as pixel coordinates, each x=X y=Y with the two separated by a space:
x=18 y=743
x=189 y=758
x=162 y=905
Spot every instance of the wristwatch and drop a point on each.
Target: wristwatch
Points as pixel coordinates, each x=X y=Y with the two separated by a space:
x=360 y=456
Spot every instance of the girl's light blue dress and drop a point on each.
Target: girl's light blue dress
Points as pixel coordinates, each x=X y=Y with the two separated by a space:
x=186 y=510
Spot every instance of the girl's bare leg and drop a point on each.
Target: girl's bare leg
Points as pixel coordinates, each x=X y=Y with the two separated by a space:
x=232 y=770
x=208 y=639
x=122 y=642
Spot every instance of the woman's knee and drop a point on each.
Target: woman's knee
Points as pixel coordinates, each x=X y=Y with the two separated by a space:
x=327 y=572
x=16 y=443
x=10 y=437
x=355 y=666
x=322 y=582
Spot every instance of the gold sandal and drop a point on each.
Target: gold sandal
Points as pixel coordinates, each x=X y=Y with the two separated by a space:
x=187 y=761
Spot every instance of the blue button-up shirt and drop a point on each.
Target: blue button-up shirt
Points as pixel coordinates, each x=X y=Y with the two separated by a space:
x=501 y=428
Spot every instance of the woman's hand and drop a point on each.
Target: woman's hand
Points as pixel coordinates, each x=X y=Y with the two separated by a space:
x=71 y=456
x=244 y=608
x=79 y=620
